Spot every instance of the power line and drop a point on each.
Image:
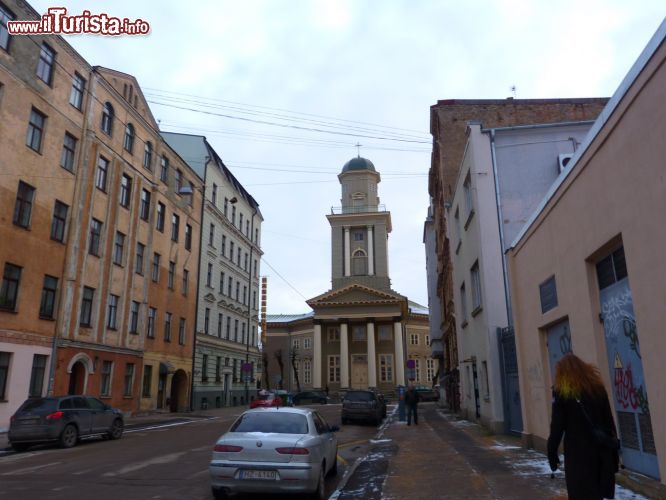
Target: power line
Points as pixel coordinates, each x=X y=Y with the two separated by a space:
x=263 y=259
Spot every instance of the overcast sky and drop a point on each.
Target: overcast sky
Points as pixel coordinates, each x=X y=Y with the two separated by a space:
x=381 y=62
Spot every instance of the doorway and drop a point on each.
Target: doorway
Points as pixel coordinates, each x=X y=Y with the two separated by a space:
x=77 y=379
x=178 y=394
x=359 y=371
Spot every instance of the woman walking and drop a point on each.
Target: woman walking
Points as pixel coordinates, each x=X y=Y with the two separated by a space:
x=582 y=413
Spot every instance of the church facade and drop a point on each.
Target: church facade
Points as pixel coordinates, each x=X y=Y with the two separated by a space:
x=361 y=333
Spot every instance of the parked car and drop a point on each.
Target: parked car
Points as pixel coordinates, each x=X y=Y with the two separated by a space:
x=363 y=405
x=275 y=450
x=63 y=419
x=287 y=398
x=311 y=397
x=427 y=393
x=266 y=400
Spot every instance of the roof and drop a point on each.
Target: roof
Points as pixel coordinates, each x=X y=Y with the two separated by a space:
x=358 y=163
x=415 y=308
x=288 y=318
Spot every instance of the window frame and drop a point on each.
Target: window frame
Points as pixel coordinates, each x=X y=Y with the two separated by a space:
x=119 y=249
x=128 y=140
x=125 y=191
x=47 y=303
x=108 y=115
x=135 y=308
x=85 y=318
x=5 y=40
x=25 y=198
x=112 y=312
x=95 y=235
x=46 y=63
x=36 y=126
x=11 y=275
x=102 y=173
x=148 y=156
x=77 y=91
x=68 y=154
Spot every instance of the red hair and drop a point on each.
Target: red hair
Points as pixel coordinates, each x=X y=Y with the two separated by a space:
x=575 y=378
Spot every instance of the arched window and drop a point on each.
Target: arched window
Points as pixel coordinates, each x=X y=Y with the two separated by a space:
x=129 y=138
x=107 y=119
x=359 y=263
x=148 y=155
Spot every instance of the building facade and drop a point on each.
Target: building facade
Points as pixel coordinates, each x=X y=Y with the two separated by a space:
x=355 y=336
x=228 y=283
x=587 y=271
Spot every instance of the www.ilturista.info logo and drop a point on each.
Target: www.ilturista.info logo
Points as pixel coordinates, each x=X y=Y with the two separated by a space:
x=57 y=22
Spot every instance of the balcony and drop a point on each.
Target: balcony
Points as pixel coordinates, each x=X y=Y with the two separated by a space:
x=357 y=209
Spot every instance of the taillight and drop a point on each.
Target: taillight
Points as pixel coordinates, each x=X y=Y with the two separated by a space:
x=227 y=448
x=57 y=415
x=293 y=451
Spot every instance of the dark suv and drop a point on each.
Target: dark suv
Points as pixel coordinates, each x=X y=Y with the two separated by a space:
x=363 y=405
x=63 y=419
x=310 y=397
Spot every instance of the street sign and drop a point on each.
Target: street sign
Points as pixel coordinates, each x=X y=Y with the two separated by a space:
x=411 y=364
x=246 y=367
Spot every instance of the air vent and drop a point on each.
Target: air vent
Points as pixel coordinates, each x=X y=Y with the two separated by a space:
x=548 y=294
x=563 y=160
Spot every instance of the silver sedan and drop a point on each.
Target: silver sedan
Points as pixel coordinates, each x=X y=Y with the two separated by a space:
x=275 y=450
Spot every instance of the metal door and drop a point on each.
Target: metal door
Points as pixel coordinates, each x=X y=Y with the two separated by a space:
x=558 y=340
x=630 y=394
x=509 y=365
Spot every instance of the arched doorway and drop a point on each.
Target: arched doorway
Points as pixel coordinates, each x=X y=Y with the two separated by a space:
x=178 y=397
x=77 y=379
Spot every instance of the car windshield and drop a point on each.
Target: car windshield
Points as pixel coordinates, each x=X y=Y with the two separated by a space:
x=45 y=404
x=278 y=422
x=359 y=396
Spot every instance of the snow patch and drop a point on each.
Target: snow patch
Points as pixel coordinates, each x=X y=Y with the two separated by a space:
x=376 y=441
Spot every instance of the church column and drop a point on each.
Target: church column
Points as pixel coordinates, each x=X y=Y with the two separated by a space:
x=344 y=357
x=347 y=250
x=399 y=354
x=316 y=358
x=372 y=357
x=371 y=253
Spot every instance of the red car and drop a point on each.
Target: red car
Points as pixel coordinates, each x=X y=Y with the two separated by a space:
x=266 y=400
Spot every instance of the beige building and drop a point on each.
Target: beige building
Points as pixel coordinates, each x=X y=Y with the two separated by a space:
x=355 y=336
x=587 y=271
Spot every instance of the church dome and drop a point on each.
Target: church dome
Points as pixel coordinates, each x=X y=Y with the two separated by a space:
x=358 y=163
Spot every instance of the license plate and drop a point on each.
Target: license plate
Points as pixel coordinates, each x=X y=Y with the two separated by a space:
x=258 y=474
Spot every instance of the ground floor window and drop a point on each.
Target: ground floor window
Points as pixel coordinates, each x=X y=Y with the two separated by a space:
x=129 y=379
x=386 y=367
x=385 y=333
x=4 y=373
x=430 y=369
x=105 y=389
x=37 y=375
x=307 y=372
x=334 y=368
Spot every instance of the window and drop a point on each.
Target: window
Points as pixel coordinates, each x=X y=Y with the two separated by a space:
x=430 y=370
x=256 y=236
x=188 y=237
x=484 y=379
x=235 y=330
x=233 y=215
x=129 y=379
x=228 y=335
x=76 y=94
x=95 y=236
x=218 y=369
x=128 y=143
x=134 y=317
x=219 y=325
x=247 y=228
x=296 y=344
x=214 y=195
x=45 y=64
x=237 y=290
x=211 y=235
x=125 y=191
x=178 y=180
x=10 y=286
x=147 y=380
x=155 y=275
x=226 y=207
x=469 y=202
x=458 y=232
x=186 y=279
x=204 y=368
x=359 y=263
x=164 y=169
x=231 y=250
x=427 y=340
x=161 y=214
x=148 y=155
x=222 y=282
x=209 y=275
x=172 y=273
x=255 y=268
x=240 y=221
x=386 y=368
x=112 y=317
x=245 y=261
x=47 y=304
x=414 y=339
x=463 y=305
x=144 y=209
x=107 y=119
x=150 y=330
x=36 y=126
x=384 y=334
x=5 y=15
x=175 y=227
x=102 y=173
x=417 y=369
x=254 y=299
x=243 y=333
x=229 y=286
x=334 y=368
x=59 y=221
x=105 y=389
x=548 y=294
x=37 y=375
x=181 y=332
x=358 y=235
x=68 y=151
x=476 y=287
x=307 y=372
x=167 y=327
x=244 y=295
x=611 y=269
x=333 y=334
x=238 y=256
x=118 y=248
x=224 y=245
x=207 y=321
x=307 y=343
x=359 y=333
x=86 y=306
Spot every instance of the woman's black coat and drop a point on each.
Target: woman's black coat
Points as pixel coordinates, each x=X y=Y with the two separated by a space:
x=589 y=468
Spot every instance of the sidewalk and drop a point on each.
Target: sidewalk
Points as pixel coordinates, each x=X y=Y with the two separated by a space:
x=444 y=457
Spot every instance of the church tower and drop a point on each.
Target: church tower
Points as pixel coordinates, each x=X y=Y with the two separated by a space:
x=360 y=229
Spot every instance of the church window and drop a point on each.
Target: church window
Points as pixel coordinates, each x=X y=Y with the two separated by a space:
x=333 y=334
x=358 y=235
x=359 y=333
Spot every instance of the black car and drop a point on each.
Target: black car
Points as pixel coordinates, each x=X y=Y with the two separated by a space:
x=363 y=405
x=63 y=419
x=310 y=397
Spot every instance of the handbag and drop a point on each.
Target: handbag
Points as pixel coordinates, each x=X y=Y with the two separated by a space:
x=601 y=437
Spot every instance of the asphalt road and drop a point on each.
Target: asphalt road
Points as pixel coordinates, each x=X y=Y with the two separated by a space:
x=164 y=461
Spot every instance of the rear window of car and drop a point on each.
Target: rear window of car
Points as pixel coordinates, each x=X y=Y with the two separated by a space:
x=46 y=404
x=277 y=422
x=359 y=396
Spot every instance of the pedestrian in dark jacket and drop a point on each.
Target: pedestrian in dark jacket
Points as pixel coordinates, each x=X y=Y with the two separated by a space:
x=412 y=401
x=580 y=404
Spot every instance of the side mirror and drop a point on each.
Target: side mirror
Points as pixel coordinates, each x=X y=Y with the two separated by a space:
x=333 y=428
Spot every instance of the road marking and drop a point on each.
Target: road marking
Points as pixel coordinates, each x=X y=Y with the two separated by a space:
x=342 y=460
x=85 y=471
x=164 y=426
x=201 y=472
x=165 y=459
x=29 y=469
x=352 y=443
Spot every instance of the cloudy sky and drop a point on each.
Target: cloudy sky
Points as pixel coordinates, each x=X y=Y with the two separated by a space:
x=367 y=70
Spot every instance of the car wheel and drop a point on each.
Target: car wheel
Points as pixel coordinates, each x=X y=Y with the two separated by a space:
x=69 y=436
x=20 y=446
x=219 y=493
x=334 y=469
x=116 y=429
x=320 y=492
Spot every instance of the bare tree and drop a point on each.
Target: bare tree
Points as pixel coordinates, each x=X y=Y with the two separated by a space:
x=264 y=360
x=294 y=365
x=280 y=361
